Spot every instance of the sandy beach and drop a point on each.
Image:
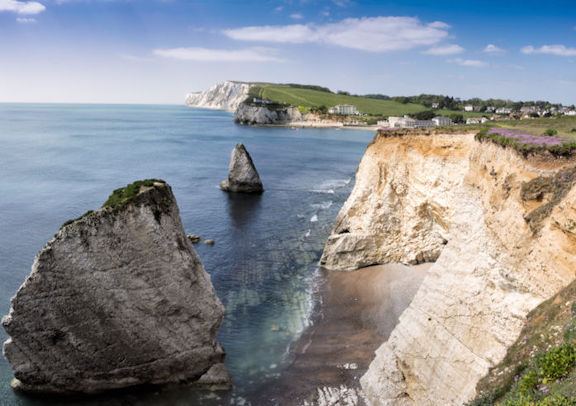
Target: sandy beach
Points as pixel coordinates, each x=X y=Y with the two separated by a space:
x=354 y=315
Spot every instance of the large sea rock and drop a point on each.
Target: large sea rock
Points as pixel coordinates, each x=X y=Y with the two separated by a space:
x=242 y=176
x=117 y=298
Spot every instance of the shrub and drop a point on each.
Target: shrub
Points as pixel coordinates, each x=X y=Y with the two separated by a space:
x=550 y=132
x=457 y=118
x=520 y=401
x=557 y=362
x=573 y=130
x=555 y=400
x=527 y=384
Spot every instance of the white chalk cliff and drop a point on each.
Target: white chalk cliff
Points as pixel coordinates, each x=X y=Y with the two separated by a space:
x=450 y=198
x=249 y=114
x=222 y=96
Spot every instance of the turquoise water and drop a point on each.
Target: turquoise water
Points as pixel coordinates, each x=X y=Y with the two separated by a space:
x=58 y=161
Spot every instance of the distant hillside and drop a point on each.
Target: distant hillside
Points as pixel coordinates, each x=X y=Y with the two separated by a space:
x=311 y=97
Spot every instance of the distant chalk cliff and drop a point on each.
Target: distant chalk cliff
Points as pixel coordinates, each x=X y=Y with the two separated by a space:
x=250 y=114
x=222 y=96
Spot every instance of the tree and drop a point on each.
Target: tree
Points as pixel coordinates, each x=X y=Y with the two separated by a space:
x=322 y=109
x=457 y=118
x=424 y=115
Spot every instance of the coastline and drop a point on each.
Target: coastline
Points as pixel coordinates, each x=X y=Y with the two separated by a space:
x=324 y=124
x=354 y=314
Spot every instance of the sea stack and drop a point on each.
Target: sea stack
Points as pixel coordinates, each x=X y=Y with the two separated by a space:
x=117 y=298
x=243 y=176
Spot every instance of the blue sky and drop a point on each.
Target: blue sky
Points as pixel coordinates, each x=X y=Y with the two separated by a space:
x=155 y=51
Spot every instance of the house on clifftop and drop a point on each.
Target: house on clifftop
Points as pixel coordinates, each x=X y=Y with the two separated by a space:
x=344 y=109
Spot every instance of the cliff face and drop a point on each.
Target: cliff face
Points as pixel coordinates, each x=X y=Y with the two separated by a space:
x=222 y=96
x=117 y=298
x=449 y=198
x=261 y=115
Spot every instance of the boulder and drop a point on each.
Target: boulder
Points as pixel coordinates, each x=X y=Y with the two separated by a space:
x=243 y=176
x=117 y=298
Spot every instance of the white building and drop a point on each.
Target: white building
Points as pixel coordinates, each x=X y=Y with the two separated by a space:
x=257 y=100
x=442 y=121
x=344 y=109
x=480 y=120
x=504 y=110
x=408 y=122
x=469 y=107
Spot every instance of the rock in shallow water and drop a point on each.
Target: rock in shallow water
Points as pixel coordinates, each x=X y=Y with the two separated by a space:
x=243 y=176
x=117 y=298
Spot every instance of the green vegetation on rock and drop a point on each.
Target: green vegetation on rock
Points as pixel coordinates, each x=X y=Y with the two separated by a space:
x=540 y=367
x=122 y=196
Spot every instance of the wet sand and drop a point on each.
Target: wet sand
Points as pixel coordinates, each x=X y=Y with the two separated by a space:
x=354 y=315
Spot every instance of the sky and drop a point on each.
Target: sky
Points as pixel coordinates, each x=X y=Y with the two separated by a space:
x=156 y=51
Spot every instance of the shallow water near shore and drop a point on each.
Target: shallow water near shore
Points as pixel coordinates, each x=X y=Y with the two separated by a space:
x=355 y=313
x=58 y=161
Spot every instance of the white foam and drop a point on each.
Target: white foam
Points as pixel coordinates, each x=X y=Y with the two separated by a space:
x=323 y=205
x=314 y=218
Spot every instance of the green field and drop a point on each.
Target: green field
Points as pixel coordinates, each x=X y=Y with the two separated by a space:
x=565 y=125
x=314 y=98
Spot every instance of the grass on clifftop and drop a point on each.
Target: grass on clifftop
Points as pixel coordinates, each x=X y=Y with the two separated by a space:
x=540 y=367
x=564 y=125
x=527 y=142
x=122 y=196
x=314 y=98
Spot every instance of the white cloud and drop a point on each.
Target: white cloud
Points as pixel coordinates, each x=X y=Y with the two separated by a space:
x=468 y=62
x=558 y=50
x=26 y=20
x=296 y=16
x=342 y=3
x=445 y=50
x=374 y=34
x=22 y=7
x=439 y=24
x=219 y=55
x=493 y=49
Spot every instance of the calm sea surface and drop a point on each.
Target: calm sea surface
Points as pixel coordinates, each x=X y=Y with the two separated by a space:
x=58 y=161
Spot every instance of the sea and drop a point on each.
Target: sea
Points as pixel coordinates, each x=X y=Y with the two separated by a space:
x=57 y=161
